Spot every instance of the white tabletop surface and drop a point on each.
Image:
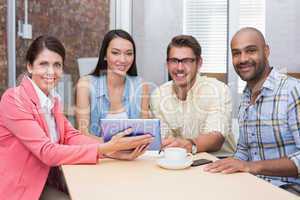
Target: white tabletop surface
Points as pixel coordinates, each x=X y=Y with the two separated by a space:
x=143 y=179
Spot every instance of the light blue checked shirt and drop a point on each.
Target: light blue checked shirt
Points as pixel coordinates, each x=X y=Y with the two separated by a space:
x=270 y=128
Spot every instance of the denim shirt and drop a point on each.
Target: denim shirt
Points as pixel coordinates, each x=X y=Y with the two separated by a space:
x=100 y=104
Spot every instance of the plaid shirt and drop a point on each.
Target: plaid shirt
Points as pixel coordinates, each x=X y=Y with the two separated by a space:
x=270 y=128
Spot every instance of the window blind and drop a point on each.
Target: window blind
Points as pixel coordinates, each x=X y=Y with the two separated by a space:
x=206 y=20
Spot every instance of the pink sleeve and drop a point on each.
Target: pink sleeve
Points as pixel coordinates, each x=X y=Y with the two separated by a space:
x=19 y=120
x=75 y=137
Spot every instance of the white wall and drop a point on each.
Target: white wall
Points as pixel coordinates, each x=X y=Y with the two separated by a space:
x=154 y=23
x=121 y=15
x=283 y=33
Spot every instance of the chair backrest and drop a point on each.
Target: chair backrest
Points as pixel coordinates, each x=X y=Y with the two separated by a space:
x=65 y=90
x=86 y=65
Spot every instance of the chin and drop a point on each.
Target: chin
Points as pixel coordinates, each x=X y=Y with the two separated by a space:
x=180 y=83
x=246 y=78
x=49 y=87
x=120 y=73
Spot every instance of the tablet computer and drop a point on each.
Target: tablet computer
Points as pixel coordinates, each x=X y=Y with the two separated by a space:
x=110 y=127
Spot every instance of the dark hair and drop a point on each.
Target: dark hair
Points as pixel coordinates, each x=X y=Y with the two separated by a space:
x=101 y=66
x=45 y=42
x=185 y=41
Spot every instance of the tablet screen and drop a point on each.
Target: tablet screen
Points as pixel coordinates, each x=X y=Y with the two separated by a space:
x=110 y=127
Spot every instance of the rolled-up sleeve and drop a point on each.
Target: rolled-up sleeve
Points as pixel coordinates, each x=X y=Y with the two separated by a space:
x=294 y=123
x=157 y=113
x=241 y=152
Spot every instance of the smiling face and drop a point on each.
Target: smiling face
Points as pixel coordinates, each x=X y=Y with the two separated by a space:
x=183 y=66
x=249 y=55
x=46 y=70
x=119 y=56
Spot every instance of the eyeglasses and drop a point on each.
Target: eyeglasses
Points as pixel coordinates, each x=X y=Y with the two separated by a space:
x=184 y=61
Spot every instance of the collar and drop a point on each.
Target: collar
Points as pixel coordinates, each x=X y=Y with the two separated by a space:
x=271 y=83
x=273 y=80
x=101 y=86
x=46 y=102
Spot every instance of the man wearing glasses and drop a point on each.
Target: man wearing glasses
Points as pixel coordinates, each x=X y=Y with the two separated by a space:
x=195 y=111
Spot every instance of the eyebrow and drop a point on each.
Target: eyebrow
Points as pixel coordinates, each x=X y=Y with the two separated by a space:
x=116 y=49
x=182 y=58
x=247 y=47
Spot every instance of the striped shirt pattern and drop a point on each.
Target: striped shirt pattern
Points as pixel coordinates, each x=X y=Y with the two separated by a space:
x=270 y=128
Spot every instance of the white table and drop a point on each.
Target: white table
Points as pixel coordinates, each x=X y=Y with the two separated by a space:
x=142 y=179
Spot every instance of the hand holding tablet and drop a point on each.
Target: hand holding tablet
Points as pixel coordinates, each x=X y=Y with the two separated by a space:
x=110 y=127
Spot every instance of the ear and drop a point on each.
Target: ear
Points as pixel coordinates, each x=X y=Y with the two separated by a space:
x=29 y=68
x=199 y=62
x=267 y=51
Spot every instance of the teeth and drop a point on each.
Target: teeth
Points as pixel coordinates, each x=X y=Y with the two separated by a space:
x=180 y=75
x=245 y=65
x=49 y=79
x=246 y=68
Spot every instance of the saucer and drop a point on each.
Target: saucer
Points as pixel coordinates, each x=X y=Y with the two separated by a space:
x=167 y=164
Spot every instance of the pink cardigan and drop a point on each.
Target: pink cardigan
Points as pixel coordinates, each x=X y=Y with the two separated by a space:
x=26 y=152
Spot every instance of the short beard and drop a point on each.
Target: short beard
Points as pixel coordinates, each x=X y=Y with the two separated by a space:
x=258 y=73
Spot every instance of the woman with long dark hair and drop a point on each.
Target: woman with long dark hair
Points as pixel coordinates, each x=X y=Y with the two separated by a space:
x=113 y=90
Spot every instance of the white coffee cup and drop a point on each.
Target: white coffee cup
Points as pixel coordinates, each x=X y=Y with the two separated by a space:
x=176 y=154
